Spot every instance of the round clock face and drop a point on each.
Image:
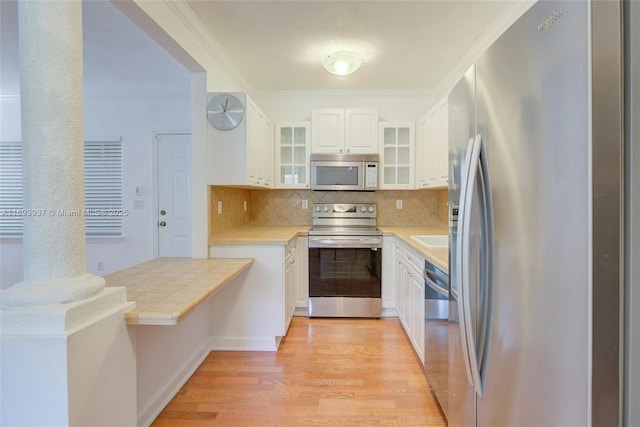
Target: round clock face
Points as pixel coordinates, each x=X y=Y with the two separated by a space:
x=225 y=111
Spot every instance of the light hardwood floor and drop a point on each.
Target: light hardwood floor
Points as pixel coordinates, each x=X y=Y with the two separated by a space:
x=328 y=372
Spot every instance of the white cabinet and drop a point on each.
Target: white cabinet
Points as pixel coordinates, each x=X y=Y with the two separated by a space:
x=243 y=155
x=255 y=313
x=290 y=279
x=302 y=283
x=292 y=154
x=434 y=147
x=410 y=295
x=388 y=276
x=421 y=175
x=397 y=143
x=338 y=131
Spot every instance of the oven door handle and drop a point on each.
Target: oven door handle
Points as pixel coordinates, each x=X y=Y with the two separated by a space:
x=345 y=242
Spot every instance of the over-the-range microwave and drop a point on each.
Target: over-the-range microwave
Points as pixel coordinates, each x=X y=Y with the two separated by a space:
x=348 y=172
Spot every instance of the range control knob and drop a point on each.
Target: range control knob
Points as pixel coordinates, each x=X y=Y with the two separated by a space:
x=318 y=209
x=325 y=209
x=363 y=209
x=370 y=209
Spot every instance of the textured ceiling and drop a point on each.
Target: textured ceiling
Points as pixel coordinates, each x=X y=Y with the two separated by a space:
x=277 y=45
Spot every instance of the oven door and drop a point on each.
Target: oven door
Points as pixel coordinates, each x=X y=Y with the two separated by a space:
x=345 y=281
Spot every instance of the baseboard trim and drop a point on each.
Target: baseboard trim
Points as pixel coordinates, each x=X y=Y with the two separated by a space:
x=243 y=344
x=389 y=312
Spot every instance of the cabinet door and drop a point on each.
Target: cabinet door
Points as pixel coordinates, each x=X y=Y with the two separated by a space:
x=268 y=156
x=408 y=305
x=292 y=154
x=442 y=146
x=400 y=275
x=327 y=131
x=388 y=273
x=418 y=315
x=302 y=265
x=438 y=146
x=397 y=154
x=254 y=130
x=361 y=131
x=421 y=155
x=290 y=290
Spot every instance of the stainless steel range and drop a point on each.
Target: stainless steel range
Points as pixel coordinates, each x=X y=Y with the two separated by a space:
x=345 y=260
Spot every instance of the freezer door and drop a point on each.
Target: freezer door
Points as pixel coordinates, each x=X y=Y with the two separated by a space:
x=532 y=91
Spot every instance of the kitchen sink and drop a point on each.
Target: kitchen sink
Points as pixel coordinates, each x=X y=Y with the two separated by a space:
x=432 y=241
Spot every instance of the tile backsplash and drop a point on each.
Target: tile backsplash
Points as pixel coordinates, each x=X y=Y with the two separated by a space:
x=284 y=207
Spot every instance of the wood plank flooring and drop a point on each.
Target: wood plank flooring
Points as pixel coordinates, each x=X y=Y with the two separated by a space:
x=328 y=372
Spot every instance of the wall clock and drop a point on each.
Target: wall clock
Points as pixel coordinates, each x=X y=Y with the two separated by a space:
x=225 y=111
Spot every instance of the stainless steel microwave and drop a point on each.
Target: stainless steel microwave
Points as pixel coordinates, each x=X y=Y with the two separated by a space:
x=349 y=172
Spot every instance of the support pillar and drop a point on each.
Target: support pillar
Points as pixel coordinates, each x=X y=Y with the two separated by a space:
x=67 y=356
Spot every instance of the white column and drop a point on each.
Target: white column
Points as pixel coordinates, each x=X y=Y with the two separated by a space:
x=53 y=156
x=68 y=357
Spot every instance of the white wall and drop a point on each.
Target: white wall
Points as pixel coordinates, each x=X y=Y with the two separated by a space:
x=391 y=105
x=134 y=117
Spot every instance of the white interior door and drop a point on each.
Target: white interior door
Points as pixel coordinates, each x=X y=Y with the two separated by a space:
x=174 y=195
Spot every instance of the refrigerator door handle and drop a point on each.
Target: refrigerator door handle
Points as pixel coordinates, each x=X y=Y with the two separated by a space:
x=463 y=262
x=478 y=177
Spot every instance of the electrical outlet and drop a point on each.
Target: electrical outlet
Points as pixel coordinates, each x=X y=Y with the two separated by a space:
x=398 y=204
x=100 y=266
x=219 y=207
x=305 y=204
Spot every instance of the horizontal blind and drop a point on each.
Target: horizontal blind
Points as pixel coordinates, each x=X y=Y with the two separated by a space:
x=103 y=188
x=10 y=188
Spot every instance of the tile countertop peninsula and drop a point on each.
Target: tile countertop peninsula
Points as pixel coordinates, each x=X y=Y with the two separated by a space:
x=260 y=235
x=166 y=290
x=439 y=257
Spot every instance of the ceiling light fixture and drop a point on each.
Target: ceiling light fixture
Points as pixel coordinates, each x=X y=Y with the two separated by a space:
x=342 y=62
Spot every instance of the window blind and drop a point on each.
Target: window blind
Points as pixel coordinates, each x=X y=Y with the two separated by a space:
x=103 y=188
x=10 y=188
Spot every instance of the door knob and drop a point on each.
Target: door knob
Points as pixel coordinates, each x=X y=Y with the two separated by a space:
x=162 y=224
x=163 y=212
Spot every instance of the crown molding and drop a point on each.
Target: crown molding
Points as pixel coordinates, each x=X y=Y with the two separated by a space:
x=196 y=27
x=374 y=93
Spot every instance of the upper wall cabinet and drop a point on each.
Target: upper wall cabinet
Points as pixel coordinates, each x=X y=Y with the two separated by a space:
x=338 y=131
x=397 y=143
x=432 y=148
x=422 y=177
x=292 y=154
x=243 y=155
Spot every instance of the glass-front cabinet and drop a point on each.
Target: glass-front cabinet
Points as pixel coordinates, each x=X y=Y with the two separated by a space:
x=397 y=144
x=292 y=154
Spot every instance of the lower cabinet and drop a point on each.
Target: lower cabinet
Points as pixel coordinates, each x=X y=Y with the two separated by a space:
x=302 y=278
x=389 y=299
x=255 y=313
x=410 y=295
x=290 y=279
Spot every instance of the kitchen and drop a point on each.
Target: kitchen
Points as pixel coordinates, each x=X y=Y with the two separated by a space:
x=390 y=203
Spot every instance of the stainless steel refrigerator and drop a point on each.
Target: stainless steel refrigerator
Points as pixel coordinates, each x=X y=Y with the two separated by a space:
x=535 y=151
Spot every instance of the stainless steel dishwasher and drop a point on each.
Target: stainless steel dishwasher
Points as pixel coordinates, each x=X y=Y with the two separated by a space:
x=436 y=332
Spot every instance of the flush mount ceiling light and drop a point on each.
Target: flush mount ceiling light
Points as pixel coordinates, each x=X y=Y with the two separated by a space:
x=342 y=62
